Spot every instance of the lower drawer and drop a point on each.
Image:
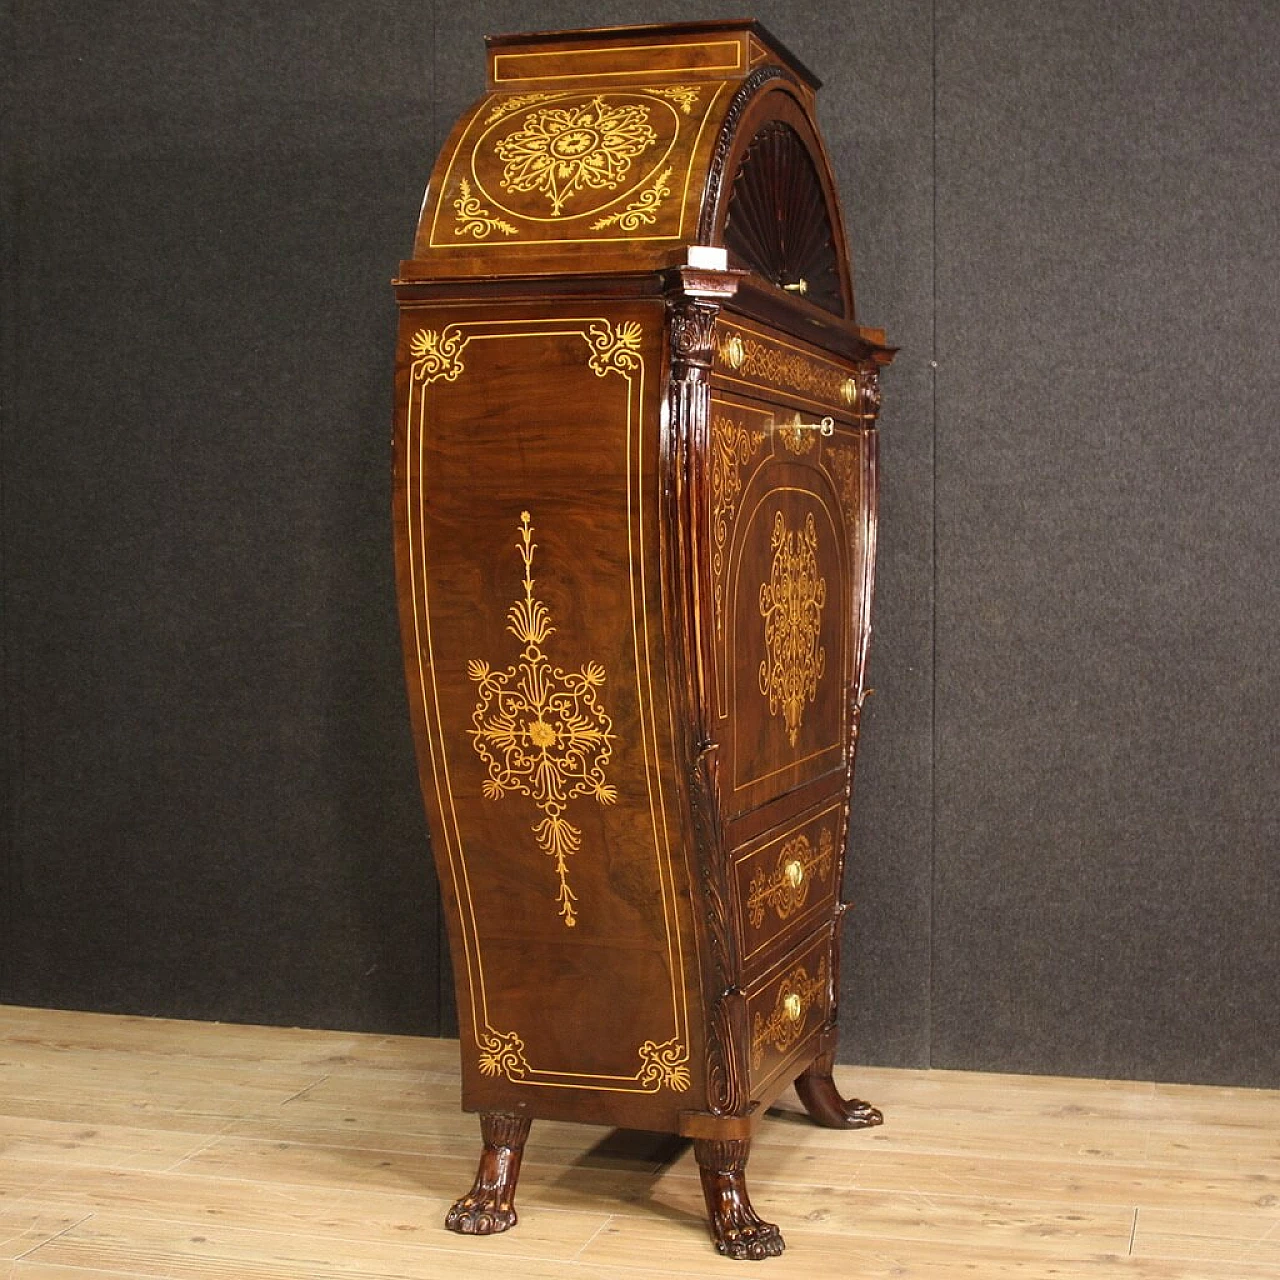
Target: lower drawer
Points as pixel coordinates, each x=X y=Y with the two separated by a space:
x=789 y=1004
x=787 y=881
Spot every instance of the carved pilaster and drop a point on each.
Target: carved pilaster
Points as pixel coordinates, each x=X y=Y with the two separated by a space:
x=693 y=327
x=869 y=397
x=686 y=462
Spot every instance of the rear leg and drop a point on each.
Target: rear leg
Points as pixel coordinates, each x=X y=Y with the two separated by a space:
x=822 y=1100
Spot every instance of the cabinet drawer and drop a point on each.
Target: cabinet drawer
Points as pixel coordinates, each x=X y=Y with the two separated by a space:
x=757 y=362
x=790 y=1004
x=788 y=880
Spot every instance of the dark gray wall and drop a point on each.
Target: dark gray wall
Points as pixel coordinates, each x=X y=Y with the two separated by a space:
x=1107 y=816
x=212 y=799
x=1065 y=846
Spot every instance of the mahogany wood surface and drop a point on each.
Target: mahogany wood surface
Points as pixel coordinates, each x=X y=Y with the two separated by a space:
x=635 y=506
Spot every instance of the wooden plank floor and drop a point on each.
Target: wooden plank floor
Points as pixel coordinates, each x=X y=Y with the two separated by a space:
x=136 y=1147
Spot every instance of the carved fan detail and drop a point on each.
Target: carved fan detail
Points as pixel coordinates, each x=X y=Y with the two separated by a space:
x=778 y=221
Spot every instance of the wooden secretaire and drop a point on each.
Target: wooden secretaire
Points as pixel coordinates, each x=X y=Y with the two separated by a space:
x=635 y=511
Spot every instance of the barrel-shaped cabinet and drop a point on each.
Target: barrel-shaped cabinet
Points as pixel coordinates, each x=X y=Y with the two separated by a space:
x=635 y=514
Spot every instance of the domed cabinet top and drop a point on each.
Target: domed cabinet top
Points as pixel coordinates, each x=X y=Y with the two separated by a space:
x=614 y=151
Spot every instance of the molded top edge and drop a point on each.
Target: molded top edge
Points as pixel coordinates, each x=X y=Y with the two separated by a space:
x=659 y=32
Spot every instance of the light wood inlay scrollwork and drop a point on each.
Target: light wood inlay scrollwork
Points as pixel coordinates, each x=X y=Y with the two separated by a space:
x=786 y=887
x=541 y=729
x=785 y=1024
x=791 y=605
x=732 y=448
x=558 y=151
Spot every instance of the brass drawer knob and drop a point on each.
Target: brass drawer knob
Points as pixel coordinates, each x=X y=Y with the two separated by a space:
x=793 y=1006
x=801 y=287
x=849 y=391
x=735 y=352
x=794 y=872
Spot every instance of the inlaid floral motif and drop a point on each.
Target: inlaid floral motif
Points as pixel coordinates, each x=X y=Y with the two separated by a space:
x=665 y=1065
x=797 y=438
x=502 y=1055
x=845 y=463
x=474 y=219
x=685 y=96
x=614 y=348
x=541 y=729
x=732 y=448
x=642 y=210
x=559 y=151
x=788 y=1018
x=791 y=605
x=436 y=355
x=505 y=106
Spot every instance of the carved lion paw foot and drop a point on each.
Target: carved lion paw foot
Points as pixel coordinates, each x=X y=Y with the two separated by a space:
x=480 y=1215
x=861 y=1115
x=747 y=1237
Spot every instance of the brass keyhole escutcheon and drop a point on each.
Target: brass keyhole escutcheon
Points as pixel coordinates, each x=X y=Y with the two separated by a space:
x=794 y=871
x=793 y=1006
x=825 y=426
x=735 y=352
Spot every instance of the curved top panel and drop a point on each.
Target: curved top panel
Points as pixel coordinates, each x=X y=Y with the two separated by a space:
x=613 y=151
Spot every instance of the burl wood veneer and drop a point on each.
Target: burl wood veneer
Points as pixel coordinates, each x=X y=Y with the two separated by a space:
x=635 y=514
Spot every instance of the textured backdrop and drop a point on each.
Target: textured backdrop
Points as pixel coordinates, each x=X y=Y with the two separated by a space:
x=1068 y=807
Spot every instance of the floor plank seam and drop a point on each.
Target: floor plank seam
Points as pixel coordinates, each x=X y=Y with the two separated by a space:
x=58 y=1236
x=578 y=1255
x=1254 y=1245
x=1133 y=1235
x=202 y=1147
x=306 y=1089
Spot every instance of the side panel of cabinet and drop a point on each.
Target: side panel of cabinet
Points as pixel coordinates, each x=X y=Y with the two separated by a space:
x=526 y=491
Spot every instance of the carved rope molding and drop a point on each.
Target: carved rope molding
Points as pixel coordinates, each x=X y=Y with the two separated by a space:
x=725 y=140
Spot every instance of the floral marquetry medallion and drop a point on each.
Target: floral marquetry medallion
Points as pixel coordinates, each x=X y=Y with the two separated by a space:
x=573 y=166
x=791 y=605
x=541 y=729
x=560 y=151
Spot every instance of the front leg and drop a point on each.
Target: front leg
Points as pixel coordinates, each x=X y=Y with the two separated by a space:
x=822 y=1100
x=489 y=1207
x=737 y=1231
